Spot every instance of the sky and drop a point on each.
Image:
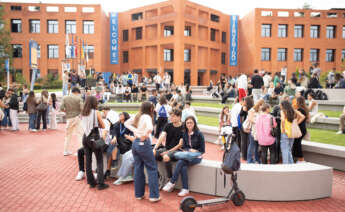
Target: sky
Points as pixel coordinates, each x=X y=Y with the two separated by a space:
x=232 y=7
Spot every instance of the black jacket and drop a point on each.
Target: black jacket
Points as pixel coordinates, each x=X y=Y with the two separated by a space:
x=14 y=104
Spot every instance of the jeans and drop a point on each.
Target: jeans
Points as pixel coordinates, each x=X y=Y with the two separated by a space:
x=143 y=156
x=81 y=154
x=286 y=146
x=42 y=114
x=7 y=120
x=168 y=165
x=32 y=121
x=126 y=165
x=182 y=168
x=65 y=89
x=189 y=156
x=253 y=154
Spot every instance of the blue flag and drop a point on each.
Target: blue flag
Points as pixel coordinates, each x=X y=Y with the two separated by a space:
x=7 y=65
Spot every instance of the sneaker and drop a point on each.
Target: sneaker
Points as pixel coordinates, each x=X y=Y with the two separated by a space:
x=155 y=199
x=75 y=154
x=80 y=176
x=93 y=185
x=139 y=198
x=128 y=179
x=119 y=181
x=102 y=186
x=169 y=187
x=67 y=153
x=339 y=132
x=222 y=148
x=95 y=176
x=183 y=192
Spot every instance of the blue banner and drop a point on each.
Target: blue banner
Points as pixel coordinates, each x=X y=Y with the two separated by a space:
x=233 y=40
x=7 y=65
x=114 y=39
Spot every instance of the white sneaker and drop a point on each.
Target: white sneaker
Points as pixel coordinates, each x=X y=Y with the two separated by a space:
x=169 y=187
x=95 y=176
x=155 y=199
x=119 y=181
x=183 y=192
x=128 y=179
x=67 y=153
x=339 y=132
x=75 y=154
x=80 y=176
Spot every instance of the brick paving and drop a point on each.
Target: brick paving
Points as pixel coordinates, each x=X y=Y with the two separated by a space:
x=35 y=176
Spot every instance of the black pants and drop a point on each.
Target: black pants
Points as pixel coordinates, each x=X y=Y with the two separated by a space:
x=263 y=154
x=157 y=86
x=161 y=122
x=237 y=136
x=89 y=149
x=42 y=114
x=244 y=144
x=225 y=97
x=81 y=159
x=297 y=146
x=168 y=165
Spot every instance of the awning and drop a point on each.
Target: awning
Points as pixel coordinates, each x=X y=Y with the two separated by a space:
x=187 y=71
x=201 y=70
x=213 y=71
x=151 y=70
x=138 y=71
x=169 y=70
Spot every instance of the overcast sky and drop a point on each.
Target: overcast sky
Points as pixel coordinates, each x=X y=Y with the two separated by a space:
x=241 y=7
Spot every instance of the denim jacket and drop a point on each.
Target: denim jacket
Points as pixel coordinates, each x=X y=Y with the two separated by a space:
x=197 y=141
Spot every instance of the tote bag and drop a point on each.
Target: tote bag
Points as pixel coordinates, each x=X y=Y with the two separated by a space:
x=295 y=130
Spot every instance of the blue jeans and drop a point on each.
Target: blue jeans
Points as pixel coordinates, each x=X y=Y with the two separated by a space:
x=182 y=168
x=6 y=121
x=253 y=151
x=143 y=156
x=286 y=146
x=32 y=121
x=189 y=156
x=65 y=89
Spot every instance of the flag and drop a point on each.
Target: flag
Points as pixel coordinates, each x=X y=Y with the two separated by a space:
x=86 y=53
x=7 y=65
x=82 y=51
x=76 y=46
x=68 y=51
x=72 y=48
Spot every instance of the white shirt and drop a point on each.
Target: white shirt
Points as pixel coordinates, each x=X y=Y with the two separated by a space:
x=157 y=79
x=144 y=125
x=119 y=90
x=267 y=79
x=235 y=111
x=242 y=82
x=167 y=108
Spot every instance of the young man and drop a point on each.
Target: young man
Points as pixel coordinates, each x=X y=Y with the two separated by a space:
x=14 y=108
x=172 y=134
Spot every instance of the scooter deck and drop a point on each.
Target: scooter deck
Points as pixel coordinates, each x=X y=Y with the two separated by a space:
x=212 y=201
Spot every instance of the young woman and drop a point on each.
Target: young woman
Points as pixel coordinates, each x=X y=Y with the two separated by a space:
x=91 y=120
x=162 y=110
x=31 y=104
x=297 y=145
x=42 y=113
x=141 y=125
x=266 y=141
x=224 y=120
x=288 y=114
x=194 y=147
x=247 y=105
x=53 y=111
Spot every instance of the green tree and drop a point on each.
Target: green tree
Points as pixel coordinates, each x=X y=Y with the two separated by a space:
x=306 y=6
x=5 y=41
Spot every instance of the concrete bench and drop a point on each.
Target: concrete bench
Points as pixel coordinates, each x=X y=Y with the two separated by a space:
x=334 y=94
x=329 y=123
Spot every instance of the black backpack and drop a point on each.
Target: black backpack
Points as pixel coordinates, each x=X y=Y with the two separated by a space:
x=112 y=129
x=231 y=158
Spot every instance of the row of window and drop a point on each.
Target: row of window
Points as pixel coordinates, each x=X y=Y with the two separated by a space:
x=139 y=16
x=53 y=51
x=53 y=26
x=266 y=31
x=314 y=54
x=53 y=9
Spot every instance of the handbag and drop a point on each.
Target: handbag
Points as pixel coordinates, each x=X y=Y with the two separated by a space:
x=42 y=106
x=247 y=125
x=124 y=145
x=295 y=130
x=273 y=131
x=96 y=140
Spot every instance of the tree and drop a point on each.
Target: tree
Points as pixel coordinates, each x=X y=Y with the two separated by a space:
x=5 y=41
x=306 y=6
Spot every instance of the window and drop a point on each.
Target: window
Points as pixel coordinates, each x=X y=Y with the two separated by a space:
x=331 y=15
x=17 y=50
x=88 y=10
x=125 y=35
x=53 y=51
x=125 y=56
x=299 y=31
x=213 y=35
x=266 y=30
x=314 y=55
x=90 y=51
x=70 y=9
x=266 y=13
x=52 y=9
x=343 y=55
x=168 y=55
x=34 y=26
x=265 y=54
x=330 y=55
x=282 y=54
x=34 y=8
x=53 y=26
x=214 y=18
x=187 y=31
x=343 y=31
x=88 y=27
x=330 y=32
x=16 y=8
x=282 y=30
x=38 y=51
x=138 y=33
x=16 y=25
x=223 y=37
x=298 y=55
x=315 y=31
x=299 y=14
x=168 y=31
x=137 y=16
x=315 y=14
x=187 y=55
x=71 y=27
x=223 y=58
x=283 y=14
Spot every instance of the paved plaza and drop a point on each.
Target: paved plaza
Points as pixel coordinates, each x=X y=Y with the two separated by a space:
x=35 y=176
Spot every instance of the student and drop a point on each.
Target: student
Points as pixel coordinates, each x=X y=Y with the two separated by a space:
x=188 y=110
x=42 y=113
x=172 y=134
x=224 y=120
x=341 y=124
x=14 y=108
x=297 y=151
x=31 y=104
x=193 y=148
x=246 y=106
x=162 y=110
x=54 y=108
x=235 y=112
x=141 y=125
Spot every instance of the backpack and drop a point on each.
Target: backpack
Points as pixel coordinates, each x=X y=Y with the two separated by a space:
x=162 y=112
x=231 y=159
x=112 y=129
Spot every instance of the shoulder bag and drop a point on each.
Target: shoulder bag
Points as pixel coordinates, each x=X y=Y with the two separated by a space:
x=42 y=106
x=96 y=140
x=295 y=130
x=273 y=131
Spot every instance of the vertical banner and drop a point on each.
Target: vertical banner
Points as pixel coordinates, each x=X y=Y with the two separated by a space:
x=33 y=62
x=233 y=40
x=114 y=39
x=7 y=67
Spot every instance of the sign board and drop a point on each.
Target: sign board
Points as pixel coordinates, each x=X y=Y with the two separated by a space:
x=233 y=40
x=114 y=39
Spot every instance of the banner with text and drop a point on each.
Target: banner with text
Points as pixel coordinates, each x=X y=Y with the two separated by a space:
x=33 y=46
x=233 y=40
x=114 y=39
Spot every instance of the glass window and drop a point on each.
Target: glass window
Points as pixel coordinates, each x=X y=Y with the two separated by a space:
x=34 y=26
x=315 y=31
x=71 y=27
x=88 y=27
x=16 y=8
x=343 y=55
x=330 y=54
x=125 y=56
x=213 y=35
x=223 y=58
x=168 y=31
x=17 y=50
x=314 y=55
x=138 y=33
x=266 y=30
x=214 y=18
x=137 y=16
x=330 y=32
x=90 y=51
x=168 y=55
x=53 y=51
x=16 y=25
x=53 y=26
x=282 y=54
x=299 y=31
x=298 y=55
x=187 y=31
x=187 y=55
x=125 y=35
x=265 y=54
x=223 y=37
x=282 y=30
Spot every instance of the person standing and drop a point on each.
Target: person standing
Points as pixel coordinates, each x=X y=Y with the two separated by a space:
x=246 y=106
x=242 y=84
x=297 y=144
x=341 y=124
x=258 y=85
x=14 y=108
x=32 y=104
x=42 y=111
x=72 y=105
x=158 y=80
x=6 y=121
x=162 y=109
x=53 y=111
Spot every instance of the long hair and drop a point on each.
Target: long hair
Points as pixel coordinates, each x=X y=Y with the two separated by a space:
x=45 y=93
x=258 y=105
x=90 y=103
x=223 y=114
x=146 y=108
x=301 y=104
x=195 y=124
x=31 y=97
x=249 y=102
x=162 y=100
x=288 y=110
x=53 y=96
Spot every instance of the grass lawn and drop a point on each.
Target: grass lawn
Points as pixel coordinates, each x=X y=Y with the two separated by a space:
x=331 y=113
x=49 y=90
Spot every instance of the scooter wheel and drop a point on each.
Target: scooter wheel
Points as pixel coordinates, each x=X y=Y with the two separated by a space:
x=188 y=204
x=238 y=198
